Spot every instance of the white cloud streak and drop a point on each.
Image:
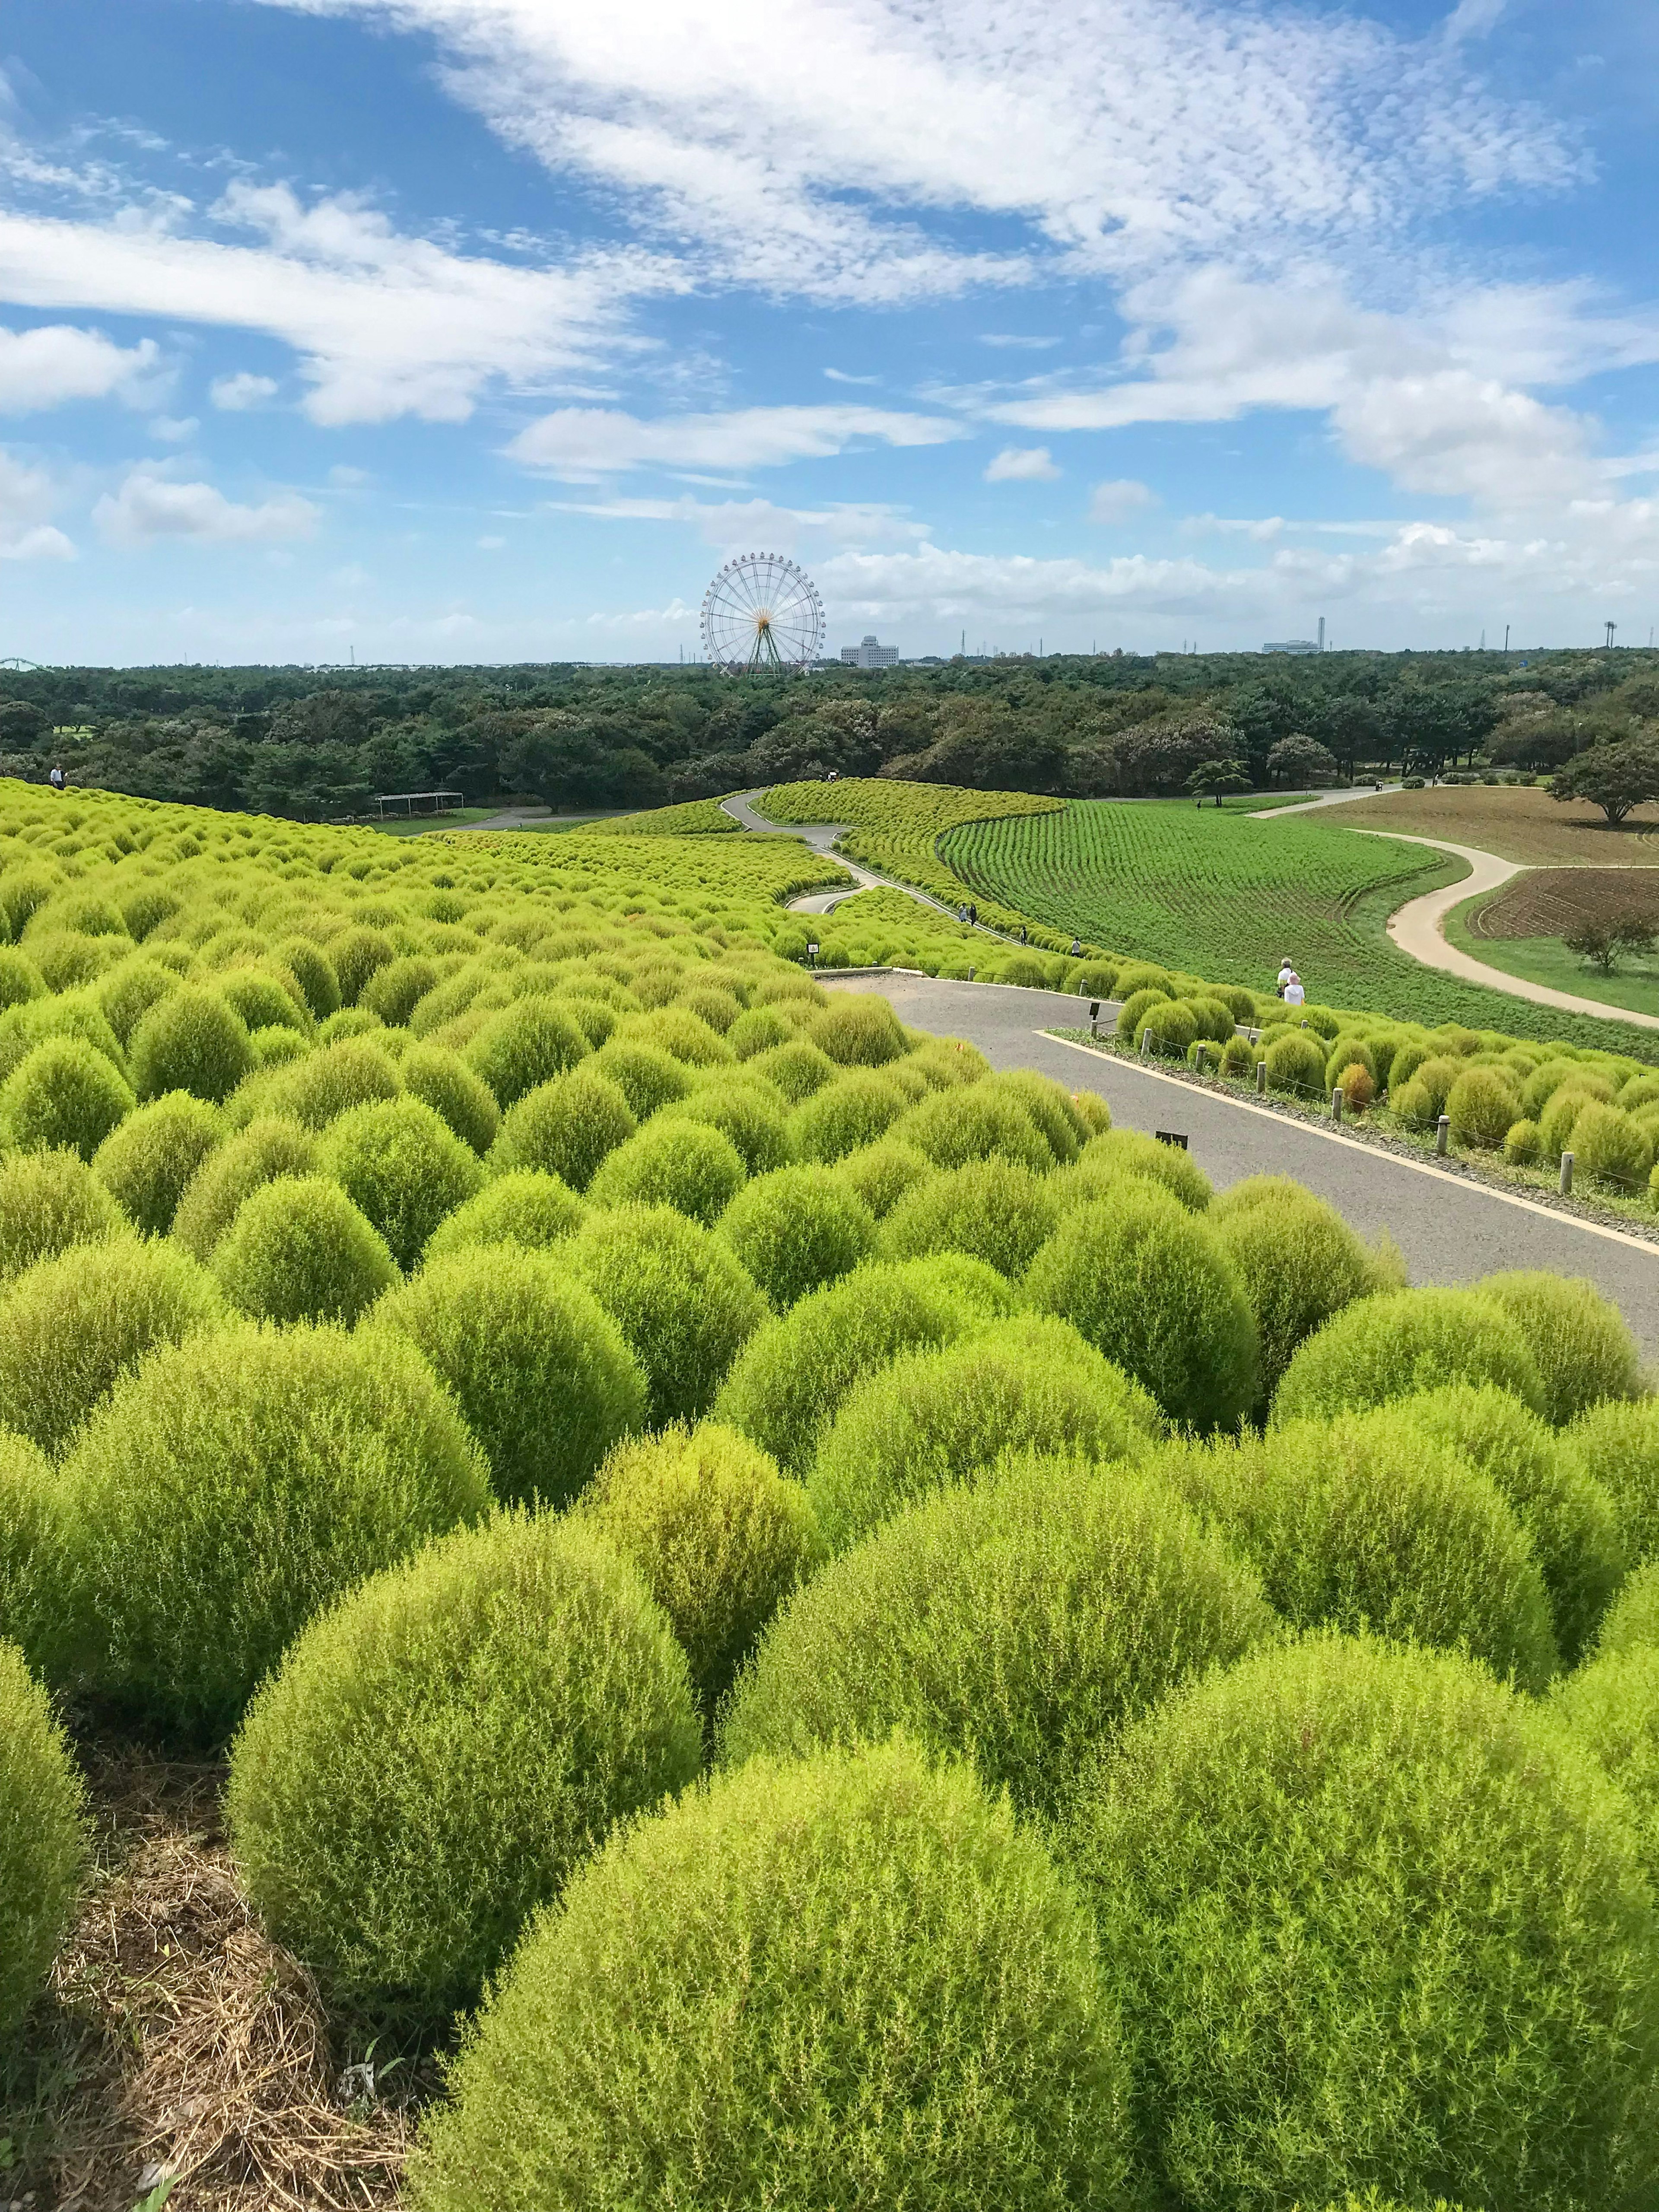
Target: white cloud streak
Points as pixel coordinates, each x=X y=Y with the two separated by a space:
x=1021 y=464
x=582 y=443
x=151 y=506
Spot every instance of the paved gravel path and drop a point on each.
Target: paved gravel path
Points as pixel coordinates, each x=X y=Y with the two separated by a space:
x=1451 y=1229
x=821 y=836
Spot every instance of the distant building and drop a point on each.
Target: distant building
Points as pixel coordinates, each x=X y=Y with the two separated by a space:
x=1301 y=644
x=869 y=654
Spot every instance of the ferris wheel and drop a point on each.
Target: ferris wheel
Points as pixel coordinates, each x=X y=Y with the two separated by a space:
x=762 y=612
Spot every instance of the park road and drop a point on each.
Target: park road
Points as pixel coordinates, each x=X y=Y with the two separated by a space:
x=1451 y=1230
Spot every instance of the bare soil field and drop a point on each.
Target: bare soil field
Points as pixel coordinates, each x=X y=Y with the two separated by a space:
x=1521 y=823
x=1551 y=902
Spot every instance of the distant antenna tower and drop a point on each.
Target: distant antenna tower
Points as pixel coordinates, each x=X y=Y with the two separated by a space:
x=1321 y=633
x=1611 y=627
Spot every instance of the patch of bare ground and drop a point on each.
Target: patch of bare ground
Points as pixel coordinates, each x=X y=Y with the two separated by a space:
x=1517 y=821
x=180 y=2057
x=1551 y=901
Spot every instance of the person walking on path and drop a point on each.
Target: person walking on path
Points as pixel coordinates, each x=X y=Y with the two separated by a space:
x=1294 y=993
x=1285 y=973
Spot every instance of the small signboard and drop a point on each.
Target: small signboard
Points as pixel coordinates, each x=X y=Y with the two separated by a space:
x=1170 y=1137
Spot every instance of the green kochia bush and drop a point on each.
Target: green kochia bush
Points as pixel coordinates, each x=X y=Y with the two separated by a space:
x=266 y=1149
x=146 y=1161
x=1619 y=1444
x=541 y=1371
x=1117 y=1152
x=684 y=1302
x=519 y=1208
x=445 y=1082
x=300 y=1250
x=1612 y=1706
x=62 y=1096
x=1371 y=1521
x=646 y=1077
x=793 y=1373
x=1018 y=1622
x=777 y=1993
x=1570 y=1519
x=1583 y=1348
x=367 y=1804
x=936 y=1418
x=720 y=1537
x=527 y=1044
x=844 y=1115
x=859 y=1030
x=1632 y=1620
x=796 y=1229
x=404 y=1167
x=1001 y=1213
x=749 y=1113
x=880 y=1174
x=70 y=1326
x=1395 y=1345
x=1299 y=1260
x=1373 y=1918
x=191 y=1041
x=43 y=1846
x=1151 y=1287
x=234 y=1484
x=695 y=1169
x=31 y=1596
x=351 y=1071
x=954 y=1127
x=48 y=1201
x=566 y=1128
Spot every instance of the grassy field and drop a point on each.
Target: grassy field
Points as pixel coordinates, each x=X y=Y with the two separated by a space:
x=1229 y=898
x=1517 y=823
x=1633 y=985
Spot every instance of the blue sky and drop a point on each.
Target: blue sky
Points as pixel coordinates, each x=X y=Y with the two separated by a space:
x=485 y=330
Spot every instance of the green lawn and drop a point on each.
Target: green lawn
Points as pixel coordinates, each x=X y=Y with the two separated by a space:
x=1633 y=984
x=1226 y=897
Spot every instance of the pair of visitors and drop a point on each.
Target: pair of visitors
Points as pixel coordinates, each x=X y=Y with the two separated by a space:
x=1290 y=986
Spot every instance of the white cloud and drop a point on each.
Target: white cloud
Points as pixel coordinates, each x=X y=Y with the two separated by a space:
x=581 y=443
x=1117 y=501
x=841 y=376
x=149 y=506
x=729 y=524
x=236 y=394
x=50 y=366
x=28 y=497
x=1021 y=464
x=1014 y=341
x=346 y=478
x=175 y=429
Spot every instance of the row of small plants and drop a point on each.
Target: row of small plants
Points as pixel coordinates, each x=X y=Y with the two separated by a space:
x=831 y=1628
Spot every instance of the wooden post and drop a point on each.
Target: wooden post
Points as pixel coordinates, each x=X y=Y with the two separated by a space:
x=1336 y=1102
x=1261 y=1079
x=1566 y=1175
x=1198 y=1064
x=1443 y=1134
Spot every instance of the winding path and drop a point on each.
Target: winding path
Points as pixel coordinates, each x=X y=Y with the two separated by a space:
x=1451 y=1228
x=821 y=836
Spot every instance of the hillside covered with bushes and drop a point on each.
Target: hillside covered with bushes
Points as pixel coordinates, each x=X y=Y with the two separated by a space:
x=764 y=1615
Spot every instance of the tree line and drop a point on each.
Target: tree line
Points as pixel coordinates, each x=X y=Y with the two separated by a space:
x=319 y=744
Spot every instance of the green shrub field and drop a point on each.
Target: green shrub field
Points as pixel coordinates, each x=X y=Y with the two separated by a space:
x=782 y=1618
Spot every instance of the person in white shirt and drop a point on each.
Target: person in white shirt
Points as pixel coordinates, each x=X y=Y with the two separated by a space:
x=1294 y=993
x=1285 y=972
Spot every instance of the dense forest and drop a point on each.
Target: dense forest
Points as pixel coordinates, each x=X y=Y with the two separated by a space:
x=319 y=743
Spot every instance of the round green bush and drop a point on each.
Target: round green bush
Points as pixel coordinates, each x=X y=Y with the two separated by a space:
x=880 y=1174
x=62 y=1096
x=1376 y=1521
x=797 y=1229
x=404 y=1168
x=71 y=1014
x=662 y=2034
x=1349 y=1052
x=394 y=991
x=1482 y=1105
x=952 y=1127
x=1166 y=1028
x=1560 y=1117
x=1136 y=1006
x=442 y=1080
x=792 y=1374
x=1117 y=1152
x=1141 y=975
x=933 y=1417
x=352 y=1071
x=720 y=1538
x=366 y=1803
x=676 y=1030
x=539 y=1369
x=795 y=1070
x=191 y=1040
x=48 y=1201
x=1018 y=1622
x=527 y=1044
x=1295 y=1064
x=19 y=979
x=232 y=1487
x=1213 y=1019
x=1404 y=1342
x=750 y=1114
x=1152 y=1288
x=355 y=954
x=1612 y=1707
x=43 y=1838
x=524 y=1207
x=1570 y=1519
x=684 y=1303
x=315 y=972
x=695 y=1169
x=31 y=1583
x=566 y=1128
x=946 y=1063
x=1001 y=1213
x=1063 y=1127
x=1583 y=1348
x=71 y=1326
x=857 y=1030
x=1633 y=1618
x=844 y=1115
x=1523 y=1147
x=1619 y=1442
x=263 y=1003
x=1541 y=1085
x=1609 y=1148
x=126 y=993
x=350 y=1022
x=146 y=1161
x=299 y=1249
x=1299 y=1260
x=258 y=1154
x=757 y=1030
x=1369 y=1913
x=646 y=1077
